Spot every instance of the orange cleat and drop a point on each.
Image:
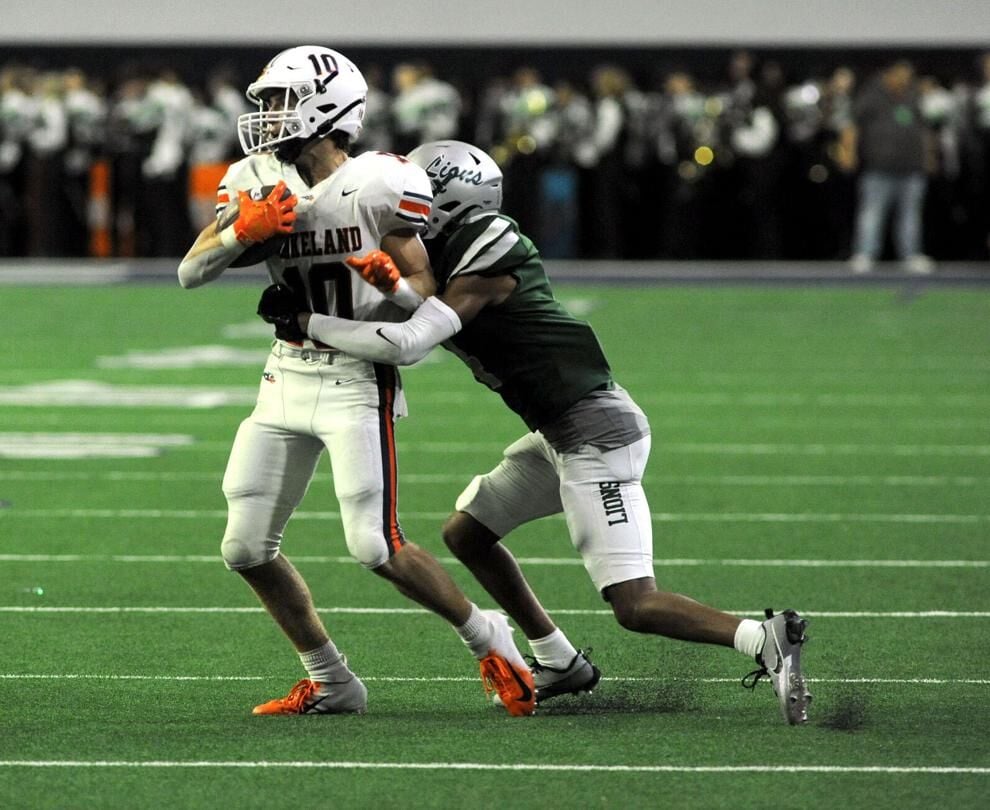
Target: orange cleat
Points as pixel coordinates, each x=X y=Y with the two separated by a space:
x=504 y=672
x=312 y=697
x=513 y=686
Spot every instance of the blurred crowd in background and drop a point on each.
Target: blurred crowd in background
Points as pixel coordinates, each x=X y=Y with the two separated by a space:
x=757 y=164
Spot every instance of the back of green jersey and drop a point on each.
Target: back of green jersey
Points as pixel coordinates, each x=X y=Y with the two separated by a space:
x=532 y=351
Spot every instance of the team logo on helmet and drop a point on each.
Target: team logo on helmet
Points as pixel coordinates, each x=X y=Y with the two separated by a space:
x=465 y=180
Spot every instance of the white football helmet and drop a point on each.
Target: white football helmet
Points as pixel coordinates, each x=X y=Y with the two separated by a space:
x=304 y=92
x=465 y=181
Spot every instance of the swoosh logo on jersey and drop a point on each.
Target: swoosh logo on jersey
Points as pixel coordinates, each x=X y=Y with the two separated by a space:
x=348 y=192
x=382 y=336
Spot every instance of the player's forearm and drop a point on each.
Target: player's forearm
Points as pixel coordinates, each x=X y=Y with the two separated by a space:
x=209 y=256
x=422 y=284
x=398 y=344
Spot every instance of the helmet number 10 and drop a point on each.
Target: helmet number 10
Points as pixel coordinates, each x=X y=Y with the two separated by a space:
x=323 y=63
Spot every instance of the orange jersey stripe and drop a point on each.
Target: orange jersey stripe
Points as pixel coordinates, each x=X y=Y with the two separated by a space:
x=386 y=387
x=415 y=207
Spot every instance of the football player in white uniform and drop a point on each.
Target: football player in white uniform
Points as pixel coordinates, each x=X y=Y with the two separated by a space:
x=588 y=444
x=312 y=397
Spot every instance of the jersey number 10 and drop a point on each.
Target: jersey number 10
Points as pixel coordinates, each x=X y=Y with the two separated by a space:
x=314 y=292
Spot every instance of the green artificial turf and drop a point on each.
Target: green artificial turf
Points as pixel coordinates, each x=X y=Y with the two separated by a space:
x=819 y=448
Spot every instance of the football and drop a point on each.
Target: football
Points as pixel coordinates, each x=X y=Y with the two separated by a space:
x=258 y=252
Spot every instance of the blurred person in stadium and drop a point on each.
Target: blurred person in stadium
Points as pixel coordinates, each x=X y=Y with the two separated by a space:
x=312 y=397
x=209 y=143
x=46 y=206
x=163 y=209
x=729 y=106
x=890 y=145
x=588 y=442
x=684 y=122
x=378 y=127
x=752 y=118
x=804 y=173
x=86 y=109
x=740 y=88
x=224 y=95
x=981 y=149
x=130 y=132
x=838 y=184
x=560 y=204
x=944 y=111
x=424 y=108
x=212 y=142
x=524 y=134
x=607 y=193
x=639 y=170
x=17 y=117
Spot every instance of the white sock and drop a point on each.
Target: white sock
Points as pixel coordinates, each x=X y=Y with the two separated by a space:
x=749 y=637
x=554 y=650
x=476 y=632
x=325 y=664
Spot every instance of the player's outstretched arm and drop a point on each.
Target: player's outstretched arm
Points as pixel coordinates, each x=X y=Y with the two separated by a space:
x=397 y=344
x=401 y=344
x=256 y=221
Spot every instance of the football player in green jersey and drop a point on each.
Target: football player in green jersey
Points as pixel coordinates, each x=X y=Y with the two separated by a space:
x=588 y=442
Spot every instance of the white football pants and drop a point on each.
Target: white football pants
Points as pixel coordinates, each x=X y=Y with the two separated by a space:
x=309 y=401
x=599 y=492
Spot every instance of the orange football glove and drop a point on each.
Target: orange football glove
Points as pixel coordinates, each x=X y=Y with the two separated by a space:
x=378 y=269
x=260 y=220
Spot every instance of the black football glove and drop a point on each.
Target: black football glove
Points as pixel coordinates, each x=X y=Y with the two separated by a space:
x=279 y=305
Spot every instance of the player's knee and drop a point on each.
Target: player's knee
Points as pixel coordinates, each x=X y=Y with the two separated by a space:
x=454 y=536
x=464 y=536
x=628 y=617
x=626 y=602
x=368 y=547
x=245 y=551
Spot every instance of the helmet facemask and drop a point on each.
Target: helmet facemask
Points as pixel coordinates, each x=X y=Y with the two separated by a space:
x=273 y=124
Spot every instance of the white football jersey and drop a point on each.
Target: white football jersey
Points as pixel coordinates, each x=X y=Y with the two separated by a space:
x=347 y=214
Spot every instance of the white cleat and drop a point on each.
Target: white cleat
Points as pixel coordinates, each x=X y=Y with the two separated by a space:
x=577 y=678
x=780 y=660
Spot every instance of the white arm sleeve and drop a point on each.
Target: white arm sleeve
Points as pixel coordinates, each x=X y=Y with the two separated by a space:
x=398 y=344
x=405 y=296
x=210 y=264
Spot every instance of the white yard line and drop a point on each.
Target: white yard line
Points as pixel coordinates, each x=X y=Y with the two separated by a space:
x=823 y=399
x=463 y=478
x=658 y=517
x=567 y=562
x=169 y=609
x=689 y=448
x=488 y=766
x=15 y=676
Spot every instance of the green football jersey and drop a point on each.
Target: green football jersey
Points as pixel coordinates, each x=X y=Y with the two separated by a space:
x=529 y=349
